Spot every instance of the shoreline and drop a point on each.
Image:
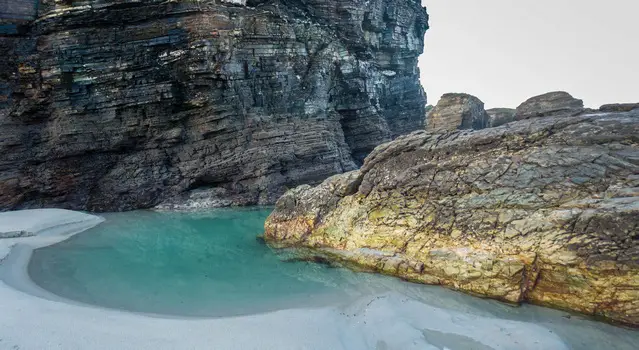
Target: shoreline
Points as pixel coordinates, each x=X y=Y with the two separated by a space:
x=16 y=252
x=388 y=321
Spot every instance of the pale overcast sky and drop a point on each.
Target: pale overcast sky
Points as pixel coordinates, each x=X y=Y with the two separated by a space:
x=505 y=51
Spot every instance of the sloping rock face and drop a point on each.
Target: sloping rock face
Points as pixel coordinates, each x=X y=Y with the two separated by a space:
x=544 y=210
x=549 y=104
x=457 y=111
x=500 y=116
x=114 y=105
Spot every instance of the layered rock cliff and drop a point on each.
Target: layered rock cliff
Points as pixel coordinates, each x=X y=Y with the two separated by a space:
x=544 y=210
x=115 y=105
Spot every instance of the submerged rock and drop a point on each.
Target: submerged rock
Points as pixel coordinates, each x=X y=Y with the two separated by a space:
x=106 y=105
x=548 y=105
x=457 y=111
x=544 y=211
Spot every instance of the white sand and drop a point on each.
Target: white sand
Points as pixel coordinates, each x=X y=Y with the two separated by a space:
x=390 y=321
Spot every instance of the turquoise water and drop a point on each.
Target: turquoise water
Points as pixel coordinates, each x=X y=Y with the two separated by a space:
x=211 y=265
x=191 y=264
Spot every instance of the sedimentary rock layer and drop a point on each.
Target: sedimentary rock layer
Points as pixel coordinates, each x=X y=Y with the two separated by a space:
x=544 y=210
x=112 y=105
x=549 y=104
x=619 y=107
x=456 y=111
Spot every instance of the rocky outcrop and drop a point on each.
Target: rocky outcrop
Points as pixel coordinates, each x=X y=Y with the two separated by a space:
x=457 y=111
x=500 y=116
x=619 y=107
x=548 y=105
x=545 y=210
x=110 y=105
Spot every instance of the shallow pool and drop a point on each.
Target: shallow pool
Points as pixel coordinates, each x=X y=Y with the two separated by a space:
x=211 y=265
x=188 y=264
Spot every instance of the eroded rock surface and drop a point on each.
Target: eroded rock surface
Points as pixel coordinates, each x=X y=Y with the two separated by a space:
x=110 y=105
x=457 y=111
x=544 y=210
x=619 y=107
x=500 y=116
x=548 y=105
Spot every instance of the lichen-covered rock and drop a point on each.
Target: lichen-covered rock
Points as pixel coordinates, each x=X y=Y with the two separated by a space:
x=112 y=105
x=457 y=111
x=545 y=210
x=549 y=104
x=500 y=116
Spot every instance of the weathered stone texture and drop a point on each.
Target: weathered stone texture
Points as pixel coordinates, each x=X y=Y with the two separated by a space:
x=619 y=107
x=545 y=210
x=456 y=112
x=549 y=104
x=111 y=105
x=500 y=116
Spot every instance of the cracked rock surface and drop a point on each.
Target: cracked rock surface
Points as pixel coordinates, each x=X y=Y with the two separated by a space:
x=549 y=104
x=108 y=105
x=544 y=210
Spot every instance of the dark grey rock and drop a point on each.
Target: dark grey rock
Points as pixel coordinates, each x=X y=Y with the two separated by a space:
x=15 y=234
x=110 y=106
x=619 y=107
x=549 y=104
x=456 y=111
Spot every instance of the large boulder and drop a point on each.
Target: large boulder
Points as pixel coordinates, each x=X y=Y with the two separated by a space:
x=548 y=105
x=500 y=116
x=544 y=211
x=457 y=111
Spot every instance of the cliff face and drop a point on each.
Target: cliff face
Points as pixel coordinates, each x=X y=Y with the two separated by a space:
x=544 y=210
x=113 y=105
